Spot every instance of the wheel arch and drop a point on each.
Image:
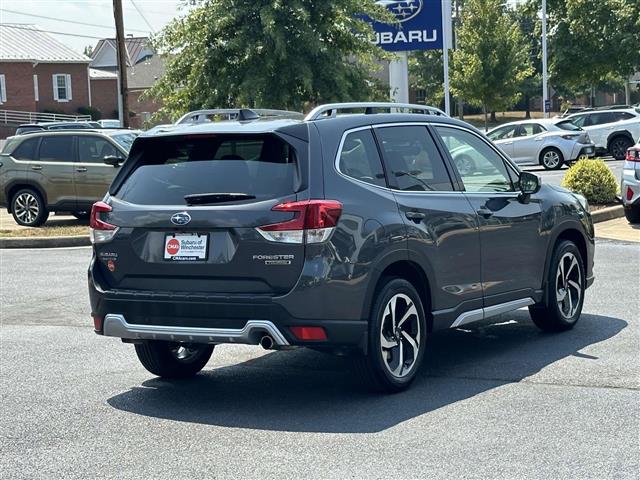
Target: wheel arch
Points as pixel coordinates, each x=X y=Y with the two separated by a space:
x=619 y=133
x=408 y=270
x=546 y=148
x=13 y=188
x=569 y=232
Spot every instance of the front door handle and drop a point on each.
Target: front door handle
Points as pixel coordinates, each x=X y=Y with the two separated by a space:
x=36 y=167
x=485 y=212
x=81 y=169
x=415 y=216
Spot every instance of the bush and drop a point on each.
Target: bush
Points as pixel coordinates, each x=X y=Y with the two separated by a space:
x=593 y=179
x=94 y=112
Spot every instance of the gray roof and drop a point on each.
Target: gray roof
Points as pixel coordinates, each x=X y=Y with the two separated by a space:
x=97 y=74
x=21 y=42
x=145 y=74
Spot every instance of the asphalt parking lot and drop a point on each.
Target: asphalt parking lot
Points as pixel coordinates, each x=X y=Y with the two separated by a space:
x=499 y=399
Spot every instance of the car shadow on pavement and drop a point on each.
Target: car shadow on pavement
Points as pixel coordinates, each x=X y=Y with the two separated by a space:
x=308 y=391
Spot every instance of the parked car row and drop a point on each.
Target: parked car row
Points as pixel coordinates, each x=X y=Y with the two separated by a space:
x=630 y=186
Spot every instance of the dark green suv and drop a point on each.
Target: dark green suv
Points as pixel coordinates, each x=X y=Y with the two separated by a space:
x=63 y=171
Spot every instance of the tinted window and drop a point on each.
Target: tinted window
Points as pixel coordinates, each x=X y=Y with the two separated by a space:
x=602 y=118
x=23 y=130
x=502 y=133
x=479 y=166
x=172 y=167
x=94 y=149
x=26 y=150
x=529 y=129
x=56 y=149
x=580 y=121
x=125 y=140
x=623 y=116
x=568 y=125
x=359 y=158
x=412 y=159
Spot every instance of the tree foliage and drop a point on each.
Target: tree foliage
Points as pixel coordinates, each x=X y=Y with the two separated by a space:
x=426 y=71
x=268 y=53
x=490 y=62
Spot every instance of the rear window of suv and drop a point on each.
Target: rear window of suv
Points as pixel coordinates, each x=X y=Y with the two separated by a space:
x=168 y=169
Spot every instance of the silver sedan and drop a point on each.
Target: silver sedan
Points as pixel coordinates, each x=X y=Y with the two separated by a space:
x=548 y=142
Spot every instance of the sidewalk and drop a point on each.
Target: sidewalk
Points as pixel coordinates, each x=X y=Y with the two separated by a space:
x=8 y=223
x=618 y=229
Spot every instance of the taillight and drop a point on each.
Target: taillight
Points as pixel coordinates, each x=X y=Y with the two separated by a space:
x=313 y=222
x=309 y=333
x=633 y=154
x=570 y=136
x=101 y=231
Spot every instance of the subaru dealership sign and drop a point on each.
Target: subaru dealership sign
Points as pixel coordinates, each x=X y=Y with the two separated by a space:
x=418 y=27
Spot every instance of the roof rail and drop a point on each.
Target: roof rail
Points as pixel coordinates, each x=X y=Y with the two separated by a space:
x=233 y=114
x=331 y=110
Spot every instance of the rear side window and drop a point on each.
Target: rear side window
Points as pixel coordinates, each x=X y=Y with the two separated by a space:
x=529 y=129
x=359 y=158
x=56 y=149
x=26 y=150
x=624 y=116
x=167 y=169
x=502 y=133
x=412 y=159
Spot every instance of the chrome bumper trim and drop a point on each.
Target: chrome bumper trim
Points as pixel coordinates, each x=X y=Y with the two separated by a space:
x=482 y=313
x=250 y=334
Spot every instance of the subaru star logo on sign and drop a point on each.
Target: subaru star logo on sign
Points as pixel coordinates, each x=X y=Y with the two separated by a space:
x=419 y=26
x=181 y=218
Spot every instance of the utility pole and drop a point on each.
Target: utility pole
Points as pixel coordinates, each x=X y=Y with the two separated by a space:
x=123 y=94
x=545 y=75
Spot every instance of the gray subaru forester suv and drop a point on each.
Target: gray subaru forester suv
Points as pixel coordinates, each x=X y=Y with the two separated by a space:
x=349 y=230
x=59 y=171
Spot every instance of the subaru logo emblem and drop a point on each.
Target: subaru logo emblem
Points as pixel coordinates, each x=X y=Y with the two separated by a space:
x=181 y=218
x=404 y=10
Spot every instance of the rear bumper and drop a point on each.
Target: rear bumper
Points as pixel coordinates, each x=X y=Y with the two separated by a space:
x=205 y=318
x=587 y=149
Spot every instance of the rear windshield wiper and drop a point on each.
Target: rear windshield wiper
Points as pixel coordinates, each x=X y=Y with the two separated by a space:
x=211 y=198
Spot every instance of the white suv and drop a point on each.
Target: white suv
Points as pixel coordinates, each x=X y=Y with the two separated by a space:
x=613 y=131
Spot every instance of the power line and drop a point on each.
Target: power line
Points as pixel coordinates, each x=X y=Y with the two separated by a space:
x=143 y=17
x=69 y=21
x=50 y=31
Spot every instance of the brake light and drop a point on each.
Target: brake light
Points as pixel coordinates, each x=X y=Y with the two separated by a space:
x=309 y=333
x=99 y=230
x=313 y=222
x=633 y=154
x=629 y=194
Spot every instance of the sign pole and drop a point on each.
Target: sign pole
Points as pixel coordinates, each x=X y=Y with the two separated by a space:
x=399 y=78
x=446 y=43
x=546 y=104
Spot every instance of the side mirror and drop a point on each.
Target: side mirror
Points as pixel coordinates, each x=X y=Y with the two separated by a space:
x=529 y=183
x=113 y=160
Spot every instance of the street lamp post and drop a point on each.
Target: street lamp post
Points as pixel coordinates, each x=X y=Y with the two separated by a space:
x=546 y=104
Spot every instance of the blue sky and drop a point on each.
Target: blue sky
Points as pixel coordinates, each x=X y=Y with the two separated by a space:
x=98 y=12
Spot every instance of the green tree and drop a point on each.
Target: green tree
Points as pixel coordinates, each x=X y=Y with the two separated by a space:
x=593 y=44
x=268 y=53
x=490 y=62
x=426 y=71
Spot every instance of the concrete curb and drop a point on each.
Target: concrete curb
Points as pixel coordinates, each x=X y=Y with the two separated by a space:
x=608 y=213
x=603 y=215
x=45 y=242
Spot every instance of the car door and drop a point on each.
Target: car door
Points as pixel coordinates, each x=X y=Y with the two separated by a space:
x=503 y=138
x=512 y=250
x=92 y=175
x=527 y=143
x=599 y=125
x=53 y=170
x=442 y=229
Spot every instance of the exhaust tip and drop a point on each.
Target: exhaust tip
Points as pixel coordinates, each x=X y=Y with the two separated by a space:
x=266 y=342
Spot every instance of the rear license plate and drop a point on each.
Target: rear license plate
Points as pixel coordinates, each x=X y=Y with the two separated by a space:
x=185 y=247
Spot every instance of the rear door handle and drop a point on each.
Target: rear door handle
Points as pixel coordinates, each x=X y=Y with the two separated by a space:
x=36 y=167
x=81 y=169
x=485 y=212
x=415 y=216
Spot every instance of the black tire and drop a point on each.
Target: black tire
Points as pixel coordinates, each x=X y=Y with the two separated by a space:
x=374 y=366
x=551 y=158
x=632 y=213
x=618 y=147
x=163 y=358
x=551 y=316
x=81 y=215
x=28 y=208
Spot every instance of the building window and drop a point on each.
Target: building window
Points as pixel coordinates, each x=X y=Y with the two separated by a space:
x=62 y=87
x=421 y=97
x=3 y=89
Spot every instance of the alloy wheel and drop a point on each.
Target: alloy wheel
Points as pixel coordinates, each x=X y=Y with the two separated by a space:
x=551 y=159
x=26 y=207
x=185 y=351
x=400 y=335
x=568 y=285
x=619 y=148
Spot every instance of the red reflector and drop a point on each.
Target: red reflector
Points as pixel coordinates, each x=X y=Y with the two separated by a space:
x=95 y=222
x=629 y=193
x=308 y=214
x=309 y=333
x=97 y=323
